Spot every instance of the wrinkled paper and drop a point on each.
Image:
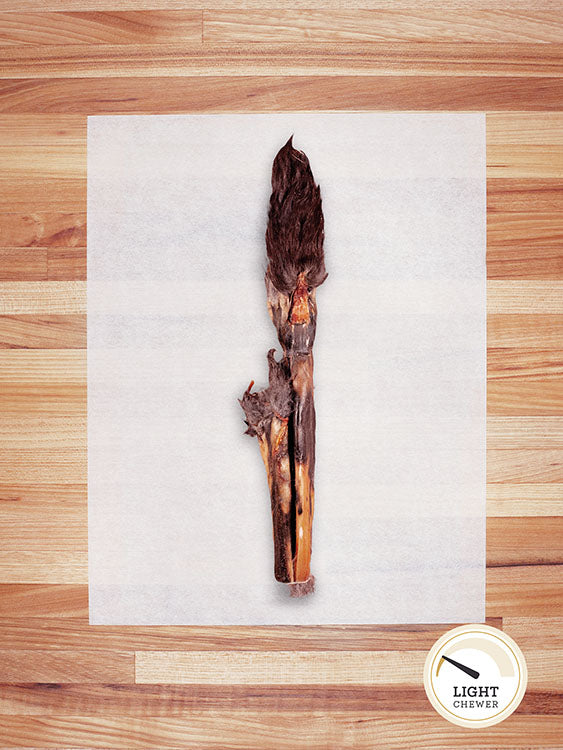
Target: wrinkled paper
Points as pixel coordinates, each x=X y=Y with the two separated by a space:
x=179 y=512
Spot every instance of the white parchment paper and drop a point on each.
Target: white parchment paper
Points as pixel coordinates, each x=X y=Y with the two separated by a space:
x=179 y=516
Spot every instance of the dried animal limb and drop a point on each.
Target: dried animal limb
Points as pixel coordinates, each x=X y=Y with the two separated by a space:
x=283 y=415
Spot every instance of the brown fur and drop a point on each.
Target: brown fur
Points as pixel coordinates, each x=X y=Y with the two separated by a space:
x=295 y=233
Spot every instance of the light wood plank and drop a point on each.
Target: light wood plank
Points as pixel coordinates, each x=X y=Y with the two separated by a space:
x=515 y=466
x=90 y=5
x=278 y=668
x=66 y=666
x=43 y=331
x=524 y=364
x=535 y=632
x=53 y=566
x=422 y=24
x=524 y=432
x=524 y=500
x=512 y=397
x=109 y=95
x=37 y=298
x=274 y=730
x=529 y=331
x=134 y=27
x=525 y=128
x=283 y=58
x=322 y=667
x=525 y=296
x=46 y=633
x=43 y=368
x=545 y=161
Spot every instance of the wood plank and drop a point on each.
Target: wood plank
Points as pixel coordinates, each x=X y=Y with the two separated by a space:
x=506 y=194
x=545 y=161
x=523 y=432
x=37 y=298
x=42 y=368
x=52 y=433
x=274 y=730
x=52 y=400
x=66 y=666
x=119 y=5
x=53 y=566
x=426 y=23
x=524 y=541
x=537 y=574
x=529 y=331
x=34 y=194
x=134 y=27
x=304 y=667
x=44 y=600
x=511 y=397
x=43 y=464
x=525 y=231
x=525 y=466
x=517 y=296
x=57 y=230
x=524 y=500
x=66 y=264
x=519 y=599
x=283 y=93
x=23 y=263
x=525 y=261
x=524 y=364
x=43 y=331
x=53 y=633
x=279 y=668
x=283 y=58
x=525 y=128
x=535 y=632
x=174 y=700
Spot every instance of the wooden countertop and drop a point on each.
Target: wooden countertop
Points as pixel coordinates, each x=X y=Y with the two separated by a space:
x=64 y=683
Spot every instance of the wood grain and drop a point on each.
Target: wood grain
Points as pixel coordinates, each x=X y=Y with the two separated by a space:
x=64 y=683
x=146 y=27
x=146 y=95
x=273 y=730
x=426 y=24
x=66 y=666
x=187 y=58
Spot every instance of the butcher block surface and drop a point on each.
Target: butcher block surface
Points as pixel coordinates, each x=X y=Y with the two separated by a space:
x=64 y=683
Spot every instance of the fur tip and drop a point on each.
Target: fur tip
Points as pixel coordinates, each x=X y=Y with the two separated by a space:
x=295 y=232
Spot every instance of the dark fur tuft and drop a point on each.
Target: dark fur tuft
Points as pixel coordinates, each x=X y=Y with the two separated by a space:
x=295 y=233
x=275 y=400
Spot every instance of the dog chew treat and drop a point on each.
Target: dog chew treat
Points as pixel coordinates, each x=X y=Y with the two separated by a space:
x=282 y=416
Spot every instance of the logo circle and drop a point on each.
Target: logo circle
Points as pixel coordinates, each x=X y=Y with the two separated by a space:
x=475 y=676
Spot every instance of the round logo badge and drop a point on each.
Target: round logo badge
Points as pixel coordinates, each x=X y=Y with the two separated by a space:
x=475 y=676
